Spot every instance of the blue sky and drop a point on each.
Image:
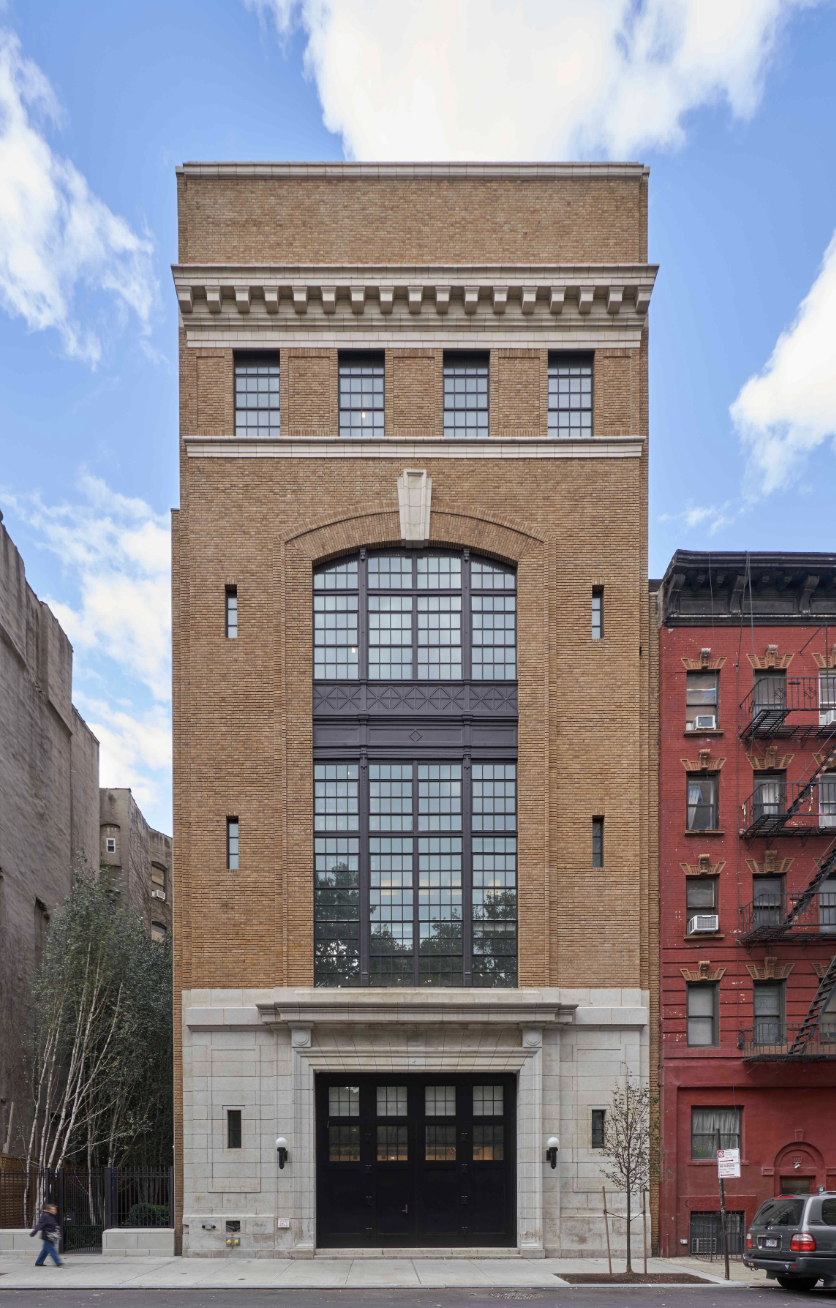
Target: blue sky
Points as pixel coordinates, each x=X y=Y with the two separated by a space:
x=730 y=102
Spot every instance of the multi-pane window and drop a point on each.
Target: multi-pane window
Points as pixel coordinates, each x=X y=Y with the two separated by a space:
x=769 y=707
x=768 y=1011
x=701 y=701
x=767 y=900
x=570 y=395
x=232 y=844
x=391 y=1101
x=257 y=410
x=465 y=395
x=597 y=612
x=701 y=1007
x=827 y=912
x=702 y=803
x=769 y=794
x=442 y=892
x=361 y=393
x=440 y=1100
x=597 y=842
x=827 y=699
x=713 y=1129
x=439 y=1143
x=415 y=617
x=232 y=612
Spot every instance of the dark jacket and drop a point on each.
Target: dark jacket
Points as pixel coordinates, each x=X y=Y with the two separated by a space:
x=46 y=1223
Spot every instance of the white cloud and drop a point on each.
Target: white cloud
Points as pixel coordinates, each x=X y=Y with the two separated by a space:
x=789 y=408
x=58 y=241
x=134 y=751
x=710 y=516
x=533 y=79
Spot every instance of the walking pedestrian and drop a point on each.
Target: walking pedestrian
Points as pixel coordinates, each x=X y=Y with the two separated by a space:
x=50 y=1235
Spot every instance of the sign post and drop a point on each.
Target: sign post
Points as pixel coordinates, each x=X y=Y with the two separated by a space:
x=728 y=1164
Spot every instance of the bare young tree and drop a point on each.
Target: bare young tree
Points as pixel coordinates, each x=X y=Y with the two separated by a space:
x=631 y=1144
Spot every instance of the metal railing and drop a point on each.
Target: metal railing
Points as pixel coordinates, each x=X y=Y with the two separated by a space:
x=799 y=705
x=771 y=1041
x=793 y=916
x=88 y=1202
x=705 y=1235
x=790 y=808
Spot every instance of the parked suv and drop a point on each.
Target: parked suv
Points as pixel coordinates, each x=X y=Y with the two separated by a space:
x=793 y=1239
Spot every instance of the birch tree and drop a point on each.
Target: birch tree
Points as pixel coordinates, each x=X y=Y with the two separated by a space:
x=631 y=1144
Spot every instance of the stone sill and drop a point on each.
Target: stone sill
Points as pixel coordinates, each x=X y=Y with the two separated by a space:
x=704 y=935
x=715 y=832
x=709 y=731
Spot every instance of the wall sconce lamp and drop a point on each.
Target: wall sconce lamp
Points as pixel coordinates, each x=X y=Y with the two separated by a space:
x=281 y=1147
x=552 y=1146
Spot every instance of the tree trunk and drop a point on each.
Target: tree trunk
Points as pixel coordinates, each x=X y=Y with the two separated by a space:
x=629 y=1255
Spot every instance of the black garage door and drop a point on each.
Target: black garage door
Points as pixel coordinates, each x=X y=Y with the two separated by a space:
x=415 y=1160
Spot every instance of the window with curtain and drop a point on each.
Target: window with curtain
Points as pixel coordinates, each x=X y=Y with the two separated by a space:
x=713 y=1129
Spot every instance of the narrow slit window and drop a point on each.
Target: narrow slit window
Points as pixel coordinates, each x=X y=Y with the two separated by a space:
x=233 y=1128
x=232 y=844
x=599 y=1120
x=232 y=612
x=597 y=842
x=597 y=612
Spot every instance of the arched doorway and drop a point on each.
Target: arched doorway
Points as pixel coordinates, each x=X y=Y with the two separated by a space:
x=799 y=1169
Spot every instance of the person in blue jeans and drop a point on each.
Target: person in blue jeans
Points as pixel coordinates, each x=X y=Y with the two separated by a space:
x=50 y=1235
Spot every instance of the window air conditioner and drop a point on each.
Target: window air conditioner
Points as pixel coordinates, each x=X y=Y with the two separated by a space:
x=827 y=718
x=703 y=922
x=158 y=894
x=705 y=722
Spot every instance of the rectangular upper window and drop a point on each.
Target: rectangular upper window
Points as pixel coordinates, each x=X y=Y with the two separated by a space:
x=713 y=1129
x=701 y=1009
x=597 y=842
x=361 y=393
x=701 y=904
x=232 y=612
x=702 y=803
x=570 y=396
x=232 y=844
x=233 y=1128
x=257 y=410
x=768 y=1011
x=597 y=612
x=701 y=701
x=599 y=1120
x=466 y=394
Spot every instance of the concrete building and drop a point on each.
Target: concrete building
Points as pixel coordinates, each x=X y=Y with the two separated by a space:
x=138 y=857
x=49 y=802
x=413 y=811
x=747 y=791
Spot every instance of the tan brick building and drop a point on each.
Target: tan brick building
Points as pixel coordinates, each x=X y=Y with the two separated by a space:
x=412 y=801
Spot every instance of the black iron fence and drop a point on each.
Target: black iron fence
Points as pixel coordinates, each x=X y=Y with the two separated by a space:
x=88 y=1202
x=771 y=1041
x=774 y=915
x=706 y=1235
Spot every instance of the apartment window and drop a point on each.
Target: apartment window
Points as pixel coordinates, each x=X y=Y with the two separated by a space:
x=597 y=842
x=159 y=931
x=827 y=699
x=713 y=1129
x=158 y=875
x=700 y=900
x=257 y=395
x=827 y=911
x=233 y=1128
x=702 y=1013
x=570 y=395
x=827 y=802
x=702 y=803
x=768 y=1011
x=701 y=701
x=769 y=793
x=465 y=395
x=232 y=612
x=410 y=616
x=110 y=845
x=441 y=889
x=41 y=925
x=597 y=612
x=599 y=1124
x=828 y=1018
x=232 y=844
x=770 y=698
x=361 y=377
x=767 y=901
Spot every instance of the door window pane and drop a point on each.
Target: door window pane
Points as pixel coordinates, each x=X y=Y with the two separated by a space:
x=391 y=1101
x=440 y=1144
x=488 y=1101
x=344 y=1101
x=343 y=1143
x=488 y=1142
x=440 y=1100
x=392 y=1144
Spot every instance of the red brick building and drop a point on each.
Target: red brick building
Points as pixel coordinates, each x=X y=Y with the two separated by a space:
x=747 y=857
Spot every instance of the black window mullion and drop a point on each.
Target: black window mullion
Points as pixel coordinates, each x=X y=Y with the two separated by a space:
x=415 y=626
x=467 y=869
x=467 y=618
x=363 y=617
x=416 y=926
x=365 y=875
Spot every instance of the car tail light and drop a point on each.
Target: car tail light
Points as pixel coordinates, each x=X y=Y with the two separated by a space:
x=749 y=1242
x=803 y=1243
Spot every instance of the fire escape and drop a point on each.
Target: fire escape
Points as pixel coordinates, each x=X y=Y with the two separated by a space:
x=800 y=709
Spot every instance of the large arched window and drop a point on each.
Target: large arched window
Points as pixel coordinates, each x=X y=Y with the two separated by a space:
x=415 y=771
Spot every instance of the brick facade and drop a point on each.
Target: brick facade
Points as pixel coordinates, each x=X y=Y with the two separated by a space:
x=568 y=517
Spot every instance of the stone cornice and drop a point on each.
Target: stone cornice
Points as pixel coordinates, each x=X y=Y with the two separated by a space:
x=319 y=171
x=513 y=1008
x=523 y=294
x=314 y=446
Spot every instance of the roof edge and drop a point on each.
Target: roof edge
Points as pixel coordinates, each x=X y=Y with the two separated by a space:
x=341 y=170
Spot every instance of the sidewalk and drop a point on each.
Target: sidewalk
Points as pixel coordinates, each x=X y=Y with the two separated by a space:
x=105 y=1273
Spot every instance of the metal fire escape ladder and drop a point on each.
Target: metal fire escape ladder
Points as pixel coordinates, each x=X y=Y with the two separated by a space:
x=826 y=765
x=826 y=866
x=821 y=999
